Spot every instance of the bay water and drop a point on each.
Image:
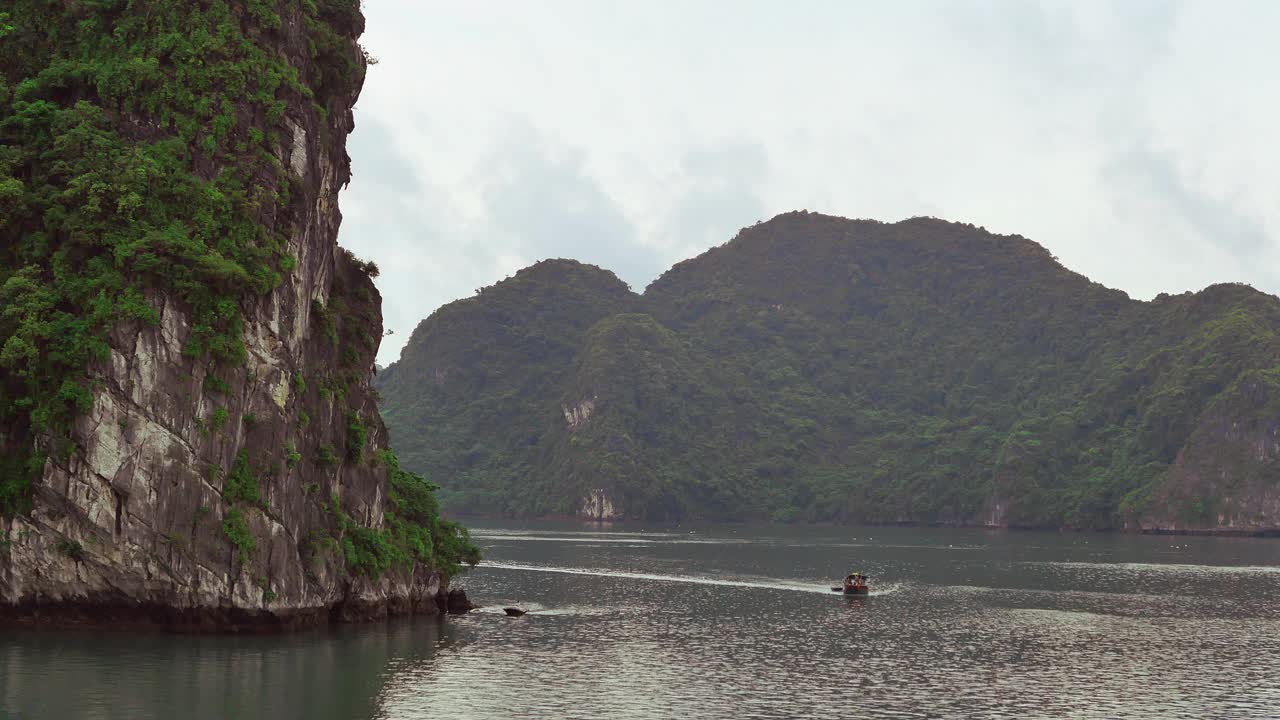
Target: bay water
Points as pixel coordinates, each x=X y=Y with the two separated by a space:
x=734 y=621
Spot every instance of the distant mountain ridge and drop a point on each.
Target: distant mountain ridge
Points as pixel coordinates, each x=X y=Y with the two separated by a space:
x=824 y=369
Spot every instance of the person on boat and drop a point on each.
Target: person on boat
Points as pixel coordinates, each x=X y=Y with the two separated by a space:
x=851 y=581
x=855 y=581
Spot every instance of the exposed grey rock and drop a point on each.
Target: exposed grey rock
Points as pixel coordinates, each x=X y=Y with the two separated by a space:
x=130 y=525
x=1225 y=479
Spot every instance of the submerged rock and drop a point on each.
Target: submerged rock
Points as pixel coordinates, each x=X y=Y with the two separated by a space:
x=457 y=602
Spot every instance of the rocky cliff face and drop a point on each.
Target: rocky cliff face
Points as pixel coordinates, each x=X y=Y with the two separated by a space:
x=209 y=494
x=1227 y=478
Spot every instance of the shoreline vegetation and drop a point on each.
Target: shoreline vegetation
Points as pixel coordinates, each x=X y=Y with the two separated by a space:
x=1214 y=532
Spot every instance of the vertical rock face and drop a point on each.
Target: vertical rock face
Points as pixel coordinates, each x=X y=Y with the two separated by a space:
x=597 y=506
x=577 y=415
x=1227 y=477
x=200 y=494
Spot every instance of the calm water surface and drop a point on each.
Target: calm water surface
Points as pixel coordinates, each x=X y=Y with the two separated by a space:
x=736 y=622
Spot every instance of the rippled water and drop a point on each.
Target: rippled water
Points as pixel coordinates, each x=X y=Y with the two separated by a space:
x=737 y=622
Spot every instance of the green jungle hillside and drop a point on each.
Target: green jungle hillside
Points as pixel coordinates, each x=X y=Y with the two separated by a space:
x=823 y=369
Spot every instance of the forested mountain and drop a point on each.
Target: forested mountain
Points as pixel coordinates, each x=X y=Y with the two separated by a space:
x=818 y=368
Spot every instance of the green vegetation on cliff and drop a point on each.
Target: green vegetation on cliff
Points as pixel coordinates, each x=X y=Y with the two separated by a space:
x=817 y=368
x=141 y=168
x=136 y=156
x=414 y=530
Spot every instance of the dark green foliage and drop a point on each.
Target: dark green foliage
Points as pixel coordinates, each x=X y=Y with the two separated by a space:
x=366 y=550
x=324 y=319
x=335 y=70
x=357 y=436
x=331 y=387
x=219 y=419
x=291 y=456
x=353 y=320
x=817 y=368
x=368 y=267
x=268 y=595
x=241 y=488
x=416 y=526
x=237 y=531
x=242 y=485
x=326 y=457
x=17 y=472
x=481 y=375
x=70 y=548
x=413 y=532
x=136 y=146
x=213 y=383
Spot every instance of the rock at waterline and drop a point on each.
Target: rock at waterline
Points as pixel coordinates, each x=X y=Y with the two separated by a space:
x=455 y=602
x=514 y=612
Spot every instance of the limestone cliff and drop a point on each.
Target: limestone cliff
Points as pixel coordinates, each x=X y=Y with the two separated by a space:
x=244 y=489
x=1227 y=477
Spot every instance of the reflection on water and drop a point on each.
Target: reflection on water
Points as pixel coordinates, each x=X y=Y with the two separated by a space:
x=323 y=674
x=737 y=622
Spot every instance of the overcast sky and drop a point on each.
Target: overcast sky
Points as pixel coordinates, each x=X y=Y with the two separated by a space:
x=1138 y=141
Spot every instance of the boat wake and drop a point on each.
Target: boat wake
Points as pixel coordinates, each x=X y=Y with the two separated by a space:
x=817 y=586
x=1160 y=567
x=544 y=610
x=619 y=538
x=668 y=538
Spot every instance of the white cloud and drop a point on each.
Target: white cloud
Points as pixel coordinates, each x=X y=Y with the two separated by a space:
x=1132 y=139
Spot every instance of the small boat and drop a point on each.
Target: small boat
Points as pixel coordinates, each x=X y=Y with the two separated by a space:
x=855 y=583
